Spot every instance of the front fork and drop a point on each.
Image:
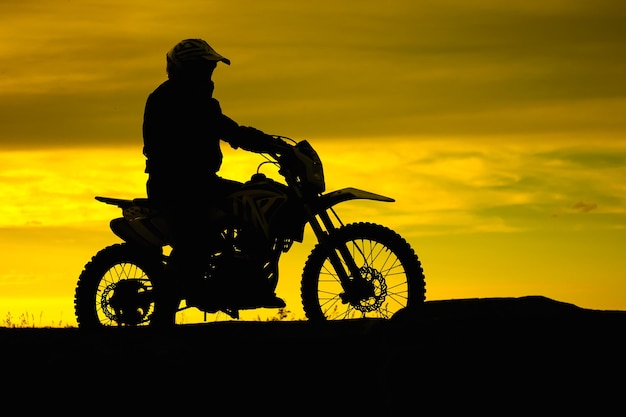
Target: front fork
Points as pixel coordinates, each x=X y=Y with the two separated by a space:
x=342 y=260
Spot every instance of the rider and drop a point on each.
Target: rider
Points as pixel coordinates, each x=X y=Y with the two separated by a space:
x=182 y=128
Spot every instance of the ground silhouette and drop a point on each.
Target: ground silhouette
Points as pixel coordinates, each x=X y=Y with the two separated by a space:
x=489 y=355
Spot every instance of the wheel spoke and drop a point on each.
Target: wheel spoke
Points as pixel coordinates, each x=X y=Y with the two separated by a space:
x=388 y=269
x=115 y=288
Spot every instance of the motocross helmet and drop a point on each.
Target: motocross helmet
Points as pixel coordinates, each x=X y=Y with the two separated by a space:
x=193 y=51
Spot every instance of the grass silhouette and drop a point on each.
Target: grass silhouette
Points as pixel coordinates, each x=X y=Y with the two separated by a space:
x=28 y=320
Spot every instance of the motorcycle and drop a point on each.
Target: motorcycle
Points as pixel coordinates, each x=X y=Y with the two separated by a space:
x=355 y=270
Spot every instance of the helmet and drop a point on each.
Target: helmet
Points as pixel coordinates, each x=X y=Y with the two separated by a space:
x=193 y=50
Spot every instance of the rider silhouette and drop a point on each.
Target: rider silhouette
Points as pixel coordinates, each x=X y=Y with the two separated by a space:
x=182 y=129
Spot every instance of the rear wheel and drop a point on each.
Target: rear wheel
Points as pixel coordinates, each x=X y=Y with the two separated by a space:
x=390 y=278
x=116 y=287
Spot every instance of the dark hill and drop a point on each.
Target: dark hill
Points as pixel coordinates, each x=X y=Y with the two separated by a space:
x=492 y=355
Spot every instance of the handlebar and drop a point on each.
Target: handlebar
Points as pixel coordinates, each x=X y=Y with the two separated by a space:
x=281 y=144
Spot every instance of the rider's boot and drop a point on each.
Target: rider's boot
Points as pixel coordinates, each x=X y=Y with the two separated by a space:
x=261 y=293
x=271 y=300
x=167 y=300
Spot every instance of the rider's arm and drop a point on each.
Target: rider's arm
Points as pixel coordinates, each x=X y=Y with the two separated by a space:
x=253 y=140
x=246 y=137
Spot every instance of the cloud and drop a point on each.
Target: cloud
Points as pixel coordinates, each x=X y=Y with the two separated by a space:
x=583 y=207
x=75 y=73
x=594 y=159
x=468 y=186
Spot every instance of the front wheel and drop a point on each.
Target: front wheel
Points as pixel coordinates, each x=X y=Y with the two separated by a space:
x=116 y=287
x=390 y=278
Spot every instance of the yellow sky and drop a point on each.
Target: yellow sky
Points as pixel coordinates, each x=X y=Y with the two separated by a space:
x=497 y=126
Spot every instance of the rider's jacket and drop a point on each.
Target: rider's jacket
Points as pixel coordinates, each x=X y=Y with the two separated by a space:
x=182 y=127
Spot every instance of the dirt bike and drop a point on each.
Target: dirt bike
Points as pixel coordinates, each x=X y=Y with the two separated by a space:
x=355 y=270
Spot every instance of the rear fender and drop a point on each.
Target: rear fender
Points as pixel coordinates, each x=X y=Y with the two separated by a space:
x=141 y=224
x=144 y=232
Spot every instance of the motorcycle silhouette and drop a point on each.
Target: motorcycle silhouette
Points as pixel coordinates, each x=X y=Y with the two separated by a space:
x=355 y=270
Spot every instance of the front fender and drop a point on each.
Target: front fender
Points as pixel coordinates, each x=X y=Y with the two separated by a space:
x=345 y=194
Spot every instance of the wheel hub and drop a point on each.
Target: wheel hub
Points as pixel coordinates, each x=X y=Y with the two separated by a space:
x=126 y=302
x=369 y=291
